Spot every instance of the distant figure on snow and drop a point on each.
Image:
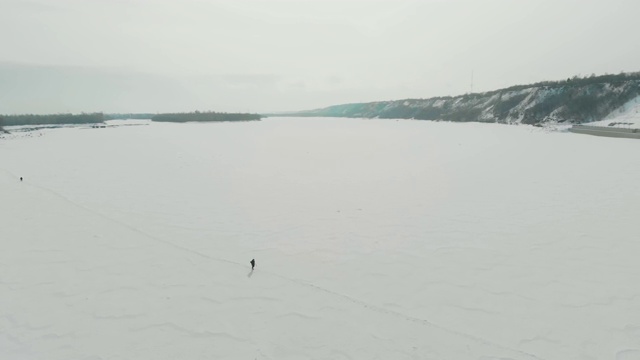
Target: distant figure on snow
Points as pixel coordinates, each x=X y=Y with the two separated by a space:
x=253 y=263
x=20 y=178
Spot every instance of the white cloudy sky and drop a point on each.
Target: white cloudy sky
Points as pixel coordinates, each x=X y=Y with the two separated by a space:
x=268 y=55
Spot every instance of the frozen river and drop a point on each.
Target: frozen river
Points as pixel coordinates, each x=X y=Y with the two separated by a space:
x=374 y=239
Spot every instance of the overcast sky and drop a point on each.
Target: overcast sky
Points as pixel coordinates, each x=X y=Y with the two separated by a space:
x=260 y=56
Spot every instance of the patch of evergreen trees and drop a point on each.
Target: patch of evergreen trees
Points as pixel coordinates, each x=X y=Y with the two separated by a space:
x=205 y=117
x=128 y=116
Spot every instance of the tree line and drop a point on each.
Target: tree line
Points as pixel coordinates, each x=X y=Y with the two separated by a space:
x=206 y=116
x=122 y=116
x=51 y=119
x=91 y=118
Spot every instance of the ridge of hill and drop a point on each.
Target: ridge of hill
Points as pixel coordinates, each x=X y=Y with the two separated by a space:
x=575 y=100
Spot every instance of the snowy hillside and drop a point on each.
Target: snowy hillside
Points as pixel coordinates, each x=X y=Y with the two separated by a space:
x=576 y=100
x=373 y=239
x=627 y=116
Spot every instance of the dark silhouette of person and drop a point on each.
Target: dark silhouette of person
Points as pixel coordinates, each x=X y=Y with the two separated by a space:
x=20 y=178
x=253 y=263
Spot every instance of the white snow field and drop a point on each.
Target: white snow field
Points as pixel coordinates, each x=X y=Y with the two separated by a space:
x=374 y=239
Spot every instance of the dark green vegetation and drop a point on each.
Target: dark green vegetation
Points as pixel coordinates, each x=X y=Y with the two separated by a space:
x=54 y=119
x=204 y=117
x=575 y=100
x=127 y=116
x=63 y=119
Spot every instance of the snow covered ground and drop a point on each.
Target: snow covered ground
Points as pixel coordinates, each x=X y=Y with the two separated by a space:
x=374 y=239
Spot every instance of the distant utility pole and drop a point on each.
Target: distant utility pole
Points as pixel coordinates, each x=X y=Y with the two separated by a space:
x=471 y=82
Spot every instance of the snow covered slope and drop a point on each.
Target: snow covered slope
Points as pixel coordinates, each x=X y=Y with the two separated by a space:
x=373 y=239
x=627 y=116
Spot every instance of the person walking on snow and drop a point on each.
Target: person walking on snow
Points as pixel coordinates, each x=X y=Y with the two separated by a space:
x=253 y=263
